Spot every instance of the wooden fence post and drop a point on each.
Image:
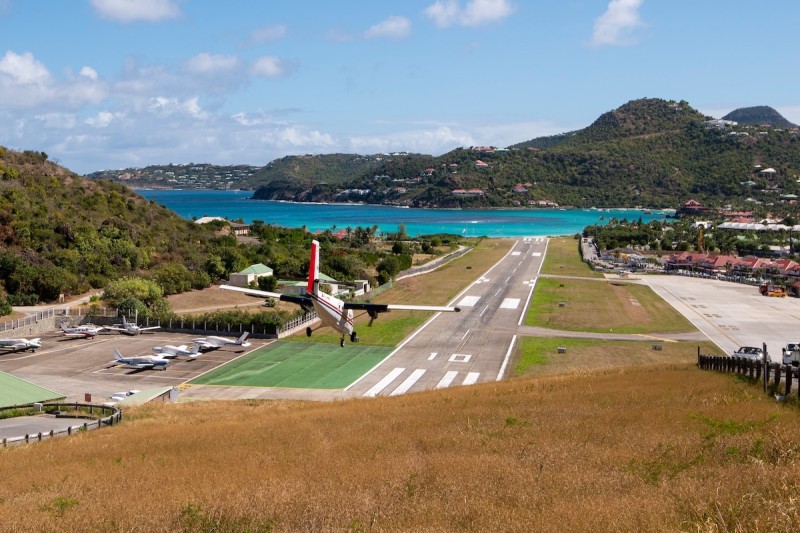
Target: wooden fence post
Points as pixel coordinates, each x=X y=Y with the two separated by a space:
x=789 y=376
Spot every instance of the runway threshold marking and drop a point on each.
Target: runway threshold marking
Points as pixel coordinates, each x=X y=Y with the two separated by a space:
x=447 y=379
x=471 y=378
x=383 y=383
x=510 y=303
x=408 y=382
x=469 y=301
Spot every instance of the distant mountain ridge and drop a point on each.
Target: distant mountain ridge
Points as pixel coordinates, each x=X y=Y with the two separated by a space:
x=760 y=116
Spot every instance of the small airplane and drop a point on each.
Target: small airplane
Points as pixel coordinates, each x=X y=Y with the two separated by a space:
x=85 y=331
x=169 y=351
x=18 y=345
x=129 y=328
x=141 y=361
x=334 y=312
x=214 y=343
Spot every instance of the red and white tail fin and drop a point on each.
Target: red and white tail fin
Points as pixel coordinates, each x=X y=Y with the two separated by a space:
x=313 y=267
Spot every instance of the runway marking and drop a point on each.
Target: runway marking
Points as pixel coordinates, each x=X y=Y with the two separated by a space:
x=507 y=358
x=447 y=379
x=498 y=292
x=382 y=384
x=469 y=301
x=471 y=378
x=460 y=358
x=508 y=279
x=484 y=310
x=537 y=254
x=432 y=356
x=465 y=335
x=516 y=253
x=510 y=303
x=409 y=382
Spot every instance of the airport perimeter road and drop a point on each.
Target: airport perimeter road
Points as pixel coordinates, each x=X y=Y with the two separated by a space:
x=472 y=346
x=732 y=314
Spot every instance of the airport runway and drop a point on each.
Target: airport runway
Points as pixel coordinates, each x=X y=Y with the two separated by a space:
x=472 y=346
x=732 y=314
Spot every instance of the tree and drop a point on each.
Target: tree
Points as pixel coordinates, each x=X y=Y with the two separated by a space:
x=267 y=283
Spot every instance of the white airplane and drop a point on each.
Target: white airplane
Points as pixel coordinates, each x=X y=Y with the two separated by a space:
x=130 y=328
x=214 y=343
x=332 y=311
x=169 y=351
x=85 y=331
x=18 y=345
x=141 y=361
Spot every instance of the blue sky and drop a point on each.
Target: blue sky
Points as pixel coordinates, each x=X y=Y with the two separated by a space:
x=116 y=83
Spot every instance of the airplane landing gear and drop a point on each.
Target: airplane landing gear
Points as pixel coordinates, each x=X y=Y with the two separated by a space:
x=341 y=342
x=353 y=337
x=308 y=331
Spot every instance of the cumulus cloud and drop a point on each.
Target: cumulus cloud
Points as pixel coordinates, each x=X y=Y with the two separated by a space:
x=24 y=69
x=103 y=119
x=137 y=10
x=391 y=28
x=268 y=67
x=265 y=34
x=617 y=25
x=212 y=64
x=446 y=13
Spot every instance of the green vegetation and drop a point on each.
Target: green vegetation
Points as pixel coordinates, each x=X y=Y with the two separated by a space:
x=563 y=259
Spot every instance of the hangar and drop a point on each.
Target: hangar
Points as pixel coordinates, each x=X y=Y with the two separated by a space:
x=15 y=391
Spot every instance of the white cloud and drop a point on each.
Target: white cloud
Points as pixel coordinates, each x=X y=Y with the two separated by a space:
x=89 y=72
x=57 y=120
x=135 y=10
x=268 y=67
x=24 y=69
x=102 y=120
x=212 y=64
x=391 y=28
x=616 y=26
x=446 y=13
x=265 y=34
x=167 y=107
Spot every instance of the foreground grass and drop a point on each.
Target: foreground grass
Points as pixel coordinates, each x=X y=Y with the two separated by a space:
x=539 y=356
x=602 y=306
x=436 y=288
x=657 y=448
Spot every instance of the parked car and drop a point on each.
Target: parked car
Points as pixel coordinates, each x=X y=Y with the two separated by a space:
x=749 y=352
x=791 y=354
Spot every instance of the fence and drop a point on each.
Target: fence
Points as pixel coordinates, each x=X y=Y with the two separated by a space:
x=772 y=375
x=30 y=320
x=115 y=417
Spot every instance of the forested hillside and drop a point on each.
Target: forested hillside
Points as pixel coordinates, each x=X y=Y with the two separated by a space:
x=650 y=152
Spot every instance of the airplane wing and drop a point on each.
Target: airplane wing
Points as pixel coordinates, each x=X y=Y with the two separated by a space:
x=148 y=329
x=374 y=309
x=302 y=301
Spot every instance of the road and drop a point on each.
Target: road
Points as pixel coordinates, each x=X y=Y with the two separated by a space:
x=472 y=346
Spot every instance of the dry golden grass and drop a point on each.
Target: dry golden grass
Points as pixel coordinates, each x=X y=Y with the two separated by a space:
x=660 y=448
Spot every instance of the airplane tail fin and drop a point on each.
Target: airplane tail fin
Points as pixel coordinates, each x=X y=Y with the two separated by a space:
x=313 y=267
x=241 y=339
x=117 y=355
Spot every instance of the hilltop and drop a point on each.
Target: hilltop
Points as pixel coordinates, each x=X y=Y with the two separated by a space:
x=759 y=116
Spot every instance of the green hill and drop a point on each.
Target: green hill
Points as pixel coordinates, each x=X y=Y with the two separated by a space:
x=759 y=116
x=64 y=234
x=650 y=152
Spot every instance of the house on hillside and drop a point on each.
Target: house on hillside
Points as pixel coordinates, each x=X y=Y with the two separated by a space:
x=249 y=275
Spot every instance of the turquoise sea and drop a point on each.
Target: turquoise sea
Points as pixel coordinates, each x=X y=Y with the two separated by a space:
x=471 y=222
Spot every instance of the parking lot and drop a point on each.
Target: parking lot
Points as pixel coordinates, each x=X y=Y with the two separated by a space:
x=76 y=367
x=732 y=314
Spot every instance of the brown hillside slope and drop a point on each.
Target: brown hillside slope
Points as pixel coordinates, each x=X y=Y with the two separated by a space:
x=645 y=449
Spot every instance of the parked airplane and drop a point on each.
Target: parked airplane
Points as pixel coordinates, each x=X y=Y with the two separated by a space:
x=169 y=351
x=141 y=361
x=18 y=345
x=214 y=343
x=334 y=312
x=85 y=331
x=130 y=328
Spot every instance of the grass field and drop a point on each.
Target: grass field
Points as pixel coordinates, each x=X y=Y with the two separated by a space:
x=297 y=365
x=563 y=259
x=539 y=356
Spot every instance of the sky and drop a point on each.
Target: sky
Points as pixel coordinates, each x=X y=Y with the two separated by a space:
x=108 y=84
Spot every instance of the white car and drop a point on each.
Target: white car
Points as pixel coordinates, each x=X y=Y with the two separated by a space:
x=791 y=354
x=749 y=352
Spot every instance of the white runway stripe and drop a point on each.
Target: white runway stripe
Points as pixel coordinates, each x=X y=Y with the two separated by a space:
x=447 y=379
x=382 y=384
x=409 y=382
x=510 y=303
x=472 y=378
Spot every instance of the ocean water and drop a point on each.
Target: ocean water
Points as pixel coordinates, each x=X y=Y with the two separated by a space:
x=470 y=222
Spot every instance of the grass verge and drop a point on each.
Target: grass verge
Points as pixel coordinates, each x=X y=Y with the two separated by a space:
x=564 y=259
